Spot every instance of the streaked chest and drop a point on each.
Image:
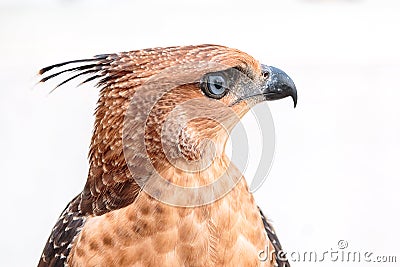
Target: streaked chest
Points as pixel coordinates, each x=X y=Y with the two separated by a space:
x=228 y=232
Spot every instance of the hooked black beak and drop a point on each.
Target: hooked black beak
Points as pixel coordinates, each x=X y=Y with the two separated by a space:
x=278 y=85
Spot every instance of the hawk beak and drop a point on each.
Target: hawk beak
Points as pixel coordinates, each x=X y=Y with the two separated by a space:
x=279 y=85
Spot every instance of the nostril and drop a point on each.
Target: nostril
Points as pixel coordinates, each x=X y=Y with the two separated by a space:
x=265 y=71
x=265 y=74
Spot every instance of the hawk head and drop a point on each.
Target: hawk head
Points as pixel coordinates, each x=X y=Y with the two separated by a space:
x=167 y=111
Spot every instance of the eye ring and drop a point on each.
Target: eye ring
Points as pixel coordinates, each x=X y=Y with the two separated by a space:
x=214 y=85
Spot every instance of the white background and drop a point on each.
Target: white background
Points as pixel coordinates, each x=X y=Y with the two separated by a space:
x=336 y=169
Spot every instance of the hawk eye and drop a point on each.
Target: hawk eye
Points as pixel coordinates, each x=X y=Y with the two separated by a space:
x=214 y=85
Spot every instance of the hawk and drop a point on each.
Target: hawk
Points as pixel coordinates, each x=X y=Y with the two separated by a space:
x=167 y=113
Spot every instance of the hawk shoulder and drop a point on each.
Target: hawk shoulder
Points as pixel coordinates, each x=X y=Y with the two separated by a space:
x=59 y=244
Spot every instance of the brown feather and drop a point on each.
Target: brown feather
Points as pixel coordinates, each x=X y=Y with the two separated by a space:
x=121 y=224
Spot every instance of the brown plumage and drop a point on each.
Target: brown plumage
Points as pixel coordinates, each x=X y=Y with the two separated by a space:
x=114 y=222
